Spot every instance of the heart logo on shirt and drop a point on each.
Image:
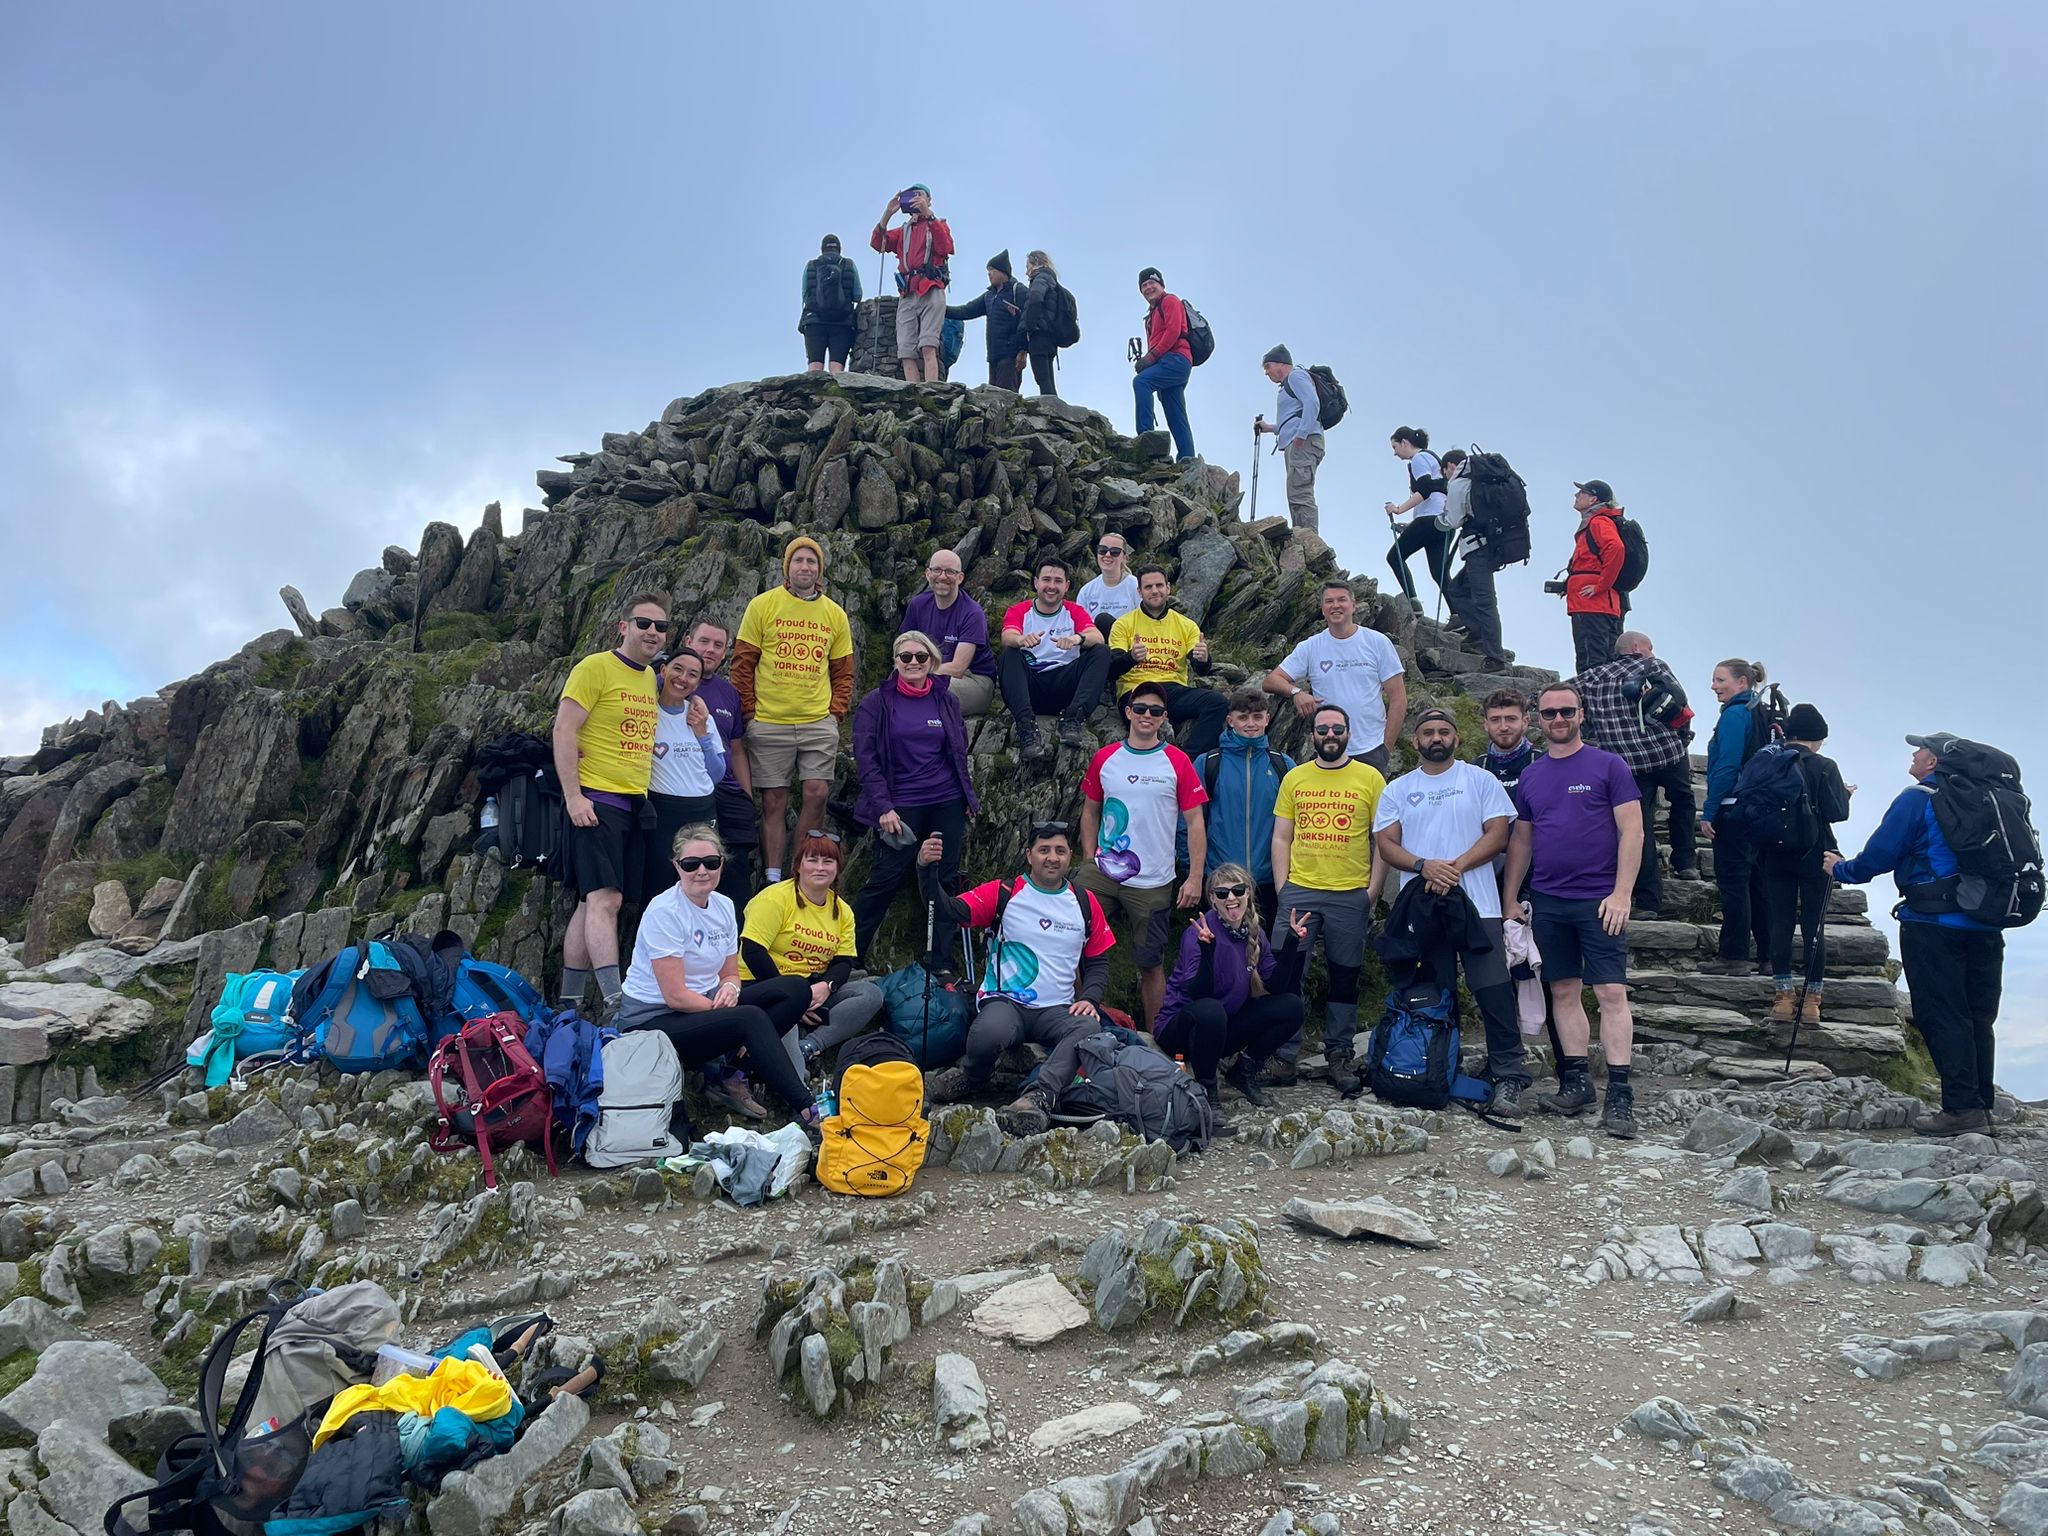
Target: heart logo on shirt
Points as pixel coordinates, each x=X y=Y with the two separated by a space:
x=1134 y=778
x=1324 y=665
x=1045 y=922
x=1416 y=798
x=697 y=938
x=661 y=749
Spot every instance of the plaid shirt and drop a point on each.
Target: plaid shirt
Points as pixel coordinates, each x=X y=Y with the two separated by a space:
x=1614 y=719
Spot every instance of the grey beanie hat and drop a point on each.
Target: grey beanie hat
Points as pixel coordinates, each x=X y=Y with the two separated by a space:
x=1280 y=355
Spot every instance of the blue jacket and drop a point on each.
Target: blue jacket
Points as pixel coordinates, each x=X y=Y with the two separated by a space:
x=1725 y=752
x=570 y=1051
x=1004 y=310
x=1909 y=846
x=1247 y=784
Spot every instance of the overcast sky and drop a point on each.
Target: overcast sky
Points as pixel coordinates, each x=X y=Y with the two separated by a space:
x=278 y=284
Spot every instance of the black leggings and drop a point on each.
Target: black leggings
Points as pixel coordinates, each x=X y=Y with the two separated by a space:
x=1204 y=1034
x=1796 y=887
x=702 y=1037
x=785 y=999
x=1421 y=533
x=1042 y=372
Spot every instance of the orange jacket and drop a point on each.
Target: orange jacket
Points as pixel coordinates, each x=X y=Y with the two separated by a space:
x=1597 y=554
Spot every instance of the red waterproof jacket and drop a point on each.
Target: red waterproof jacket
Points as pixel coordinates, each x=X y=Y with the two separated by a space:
x=1166 y=329
x=1597 y=554
x=921 y=242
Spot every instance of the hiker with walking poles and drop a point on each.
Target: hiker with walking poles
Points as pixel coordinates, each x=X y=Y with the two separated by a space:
x=1298 y=434
x=1418 y=521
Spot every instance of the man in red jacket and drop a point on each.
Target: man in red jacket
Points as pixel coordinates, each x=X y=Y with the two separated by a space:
x=1590 y=597
x=922 y=249
x=1169 y=359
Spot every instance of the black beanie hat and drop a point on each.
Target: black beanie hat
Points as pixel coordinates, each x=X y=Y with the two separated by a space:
x=1805 y=723
x=828 y=246
x=1150 y=274
x=1280 y=355
x=1000 y=262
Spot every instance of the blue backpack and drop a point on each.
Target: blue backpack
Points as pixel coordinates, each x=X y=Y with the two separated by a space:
x=252 y=1018
x=483 y=988
x=361 y=1012
x=1772 y=803
x=928 y=1015
x=1413 y=1055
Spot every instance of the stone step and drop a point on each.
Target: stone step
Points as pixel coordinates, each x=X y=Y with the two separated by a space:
x=1694 y=1020
x=1859 y=999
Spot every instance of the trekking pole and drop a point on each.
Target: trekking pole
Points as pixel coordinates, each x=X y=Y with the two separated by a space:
x=924 y=1018
x=1257 y=422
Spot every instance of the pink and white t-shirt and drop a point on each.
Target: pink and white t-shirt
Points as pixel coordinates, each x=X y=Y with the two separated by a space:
x=1026 y=619
x=1036 y=959
x=1142 y=795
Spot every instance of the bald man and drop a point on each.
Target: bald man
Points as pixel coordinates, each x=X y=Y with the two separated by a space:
x=959 y=628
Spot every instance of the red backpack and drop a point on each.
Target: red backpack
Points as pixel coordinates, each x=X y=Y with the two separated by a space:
x=501 y=1095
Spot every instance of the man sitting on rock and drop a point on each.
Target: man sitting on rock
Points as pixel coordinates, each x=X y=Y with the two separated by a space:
x=1053 y=662
x=1048 y=960
x=1622 y=717
x=604 y=755
x=958 y=626
x=1350 y=666
x=1154 y=644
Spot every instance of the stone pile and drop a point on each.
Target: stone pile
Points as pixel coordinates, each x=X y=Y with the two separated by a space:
x=1174 y=1271
x=832 y=1334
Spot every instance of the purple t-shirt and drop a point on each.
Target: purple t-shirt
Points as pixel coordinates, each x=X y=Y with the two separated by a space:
x=948 y=627
x=1569 y=804
x=723 y=700
x=919 y=771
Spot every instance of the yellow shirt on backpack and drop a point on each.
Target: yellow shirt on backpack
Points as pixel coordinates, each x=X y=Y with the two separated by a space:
x=1168 y=640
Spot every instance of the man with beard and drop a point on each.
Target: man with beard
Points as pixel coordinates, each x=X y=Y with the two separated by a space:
x=1154 y=644
x=1443 y=824
x=1323 y=865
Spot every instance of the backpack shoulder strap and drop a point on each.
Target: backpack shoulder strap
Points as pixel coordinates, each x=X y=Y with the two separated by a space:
x=1212 y=767
x=1278 y=760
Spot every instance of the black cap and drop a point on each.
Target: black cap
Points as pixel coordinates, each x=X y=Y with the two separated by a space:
x=1940 y=743
x=1279 y=354
x=1000 y=262
x=1599 y=490
x=1151 y=275
x=1435 y=714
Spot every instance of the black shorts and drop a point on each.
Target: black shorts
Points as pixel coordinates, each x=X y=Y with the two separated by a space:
x=1573 y=944
x=739 y=824
x=608 y=856
x=822 y=336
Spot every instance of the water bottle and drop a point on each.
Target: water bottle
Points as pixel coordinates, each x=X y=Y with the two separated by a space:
x=828 y=1100
x=490 y=813
x=1180 y=1063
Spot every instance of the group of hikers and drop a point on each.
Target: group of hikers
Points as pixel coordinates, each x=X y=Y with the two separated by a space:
x=1528 y=861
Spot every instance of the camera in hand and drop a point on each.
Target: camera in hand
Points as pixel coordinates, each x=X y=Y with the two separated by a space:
x=1554 y=588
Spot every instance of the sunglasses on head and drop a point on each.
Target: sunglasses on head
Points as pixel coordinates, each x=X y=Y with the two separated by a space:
x=907 y=657
x=697 y=861
x=1041 y=829
x=659 y=626
x=1231 y=890
x=830 y=837
x=1148 y=709
x=1561 y=712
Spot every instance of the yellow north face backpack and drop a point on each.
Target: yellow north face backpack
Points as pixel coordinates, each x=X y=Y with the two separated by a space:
x=877 y=1141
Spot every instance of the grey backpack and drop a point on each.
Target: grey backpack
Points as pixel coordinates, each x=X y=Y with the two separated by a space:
x=643 y=1082
x=1140 y=1088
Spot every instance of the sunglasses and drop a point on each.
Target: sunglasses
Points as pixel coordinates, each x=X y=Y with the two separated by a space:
x=1148 y=709
x=830 y=837
x=1230 y=890
x=695 y=862
x=1109 y=549
x=1562 y=712
x=659 y=626
x=909 y=657
x=1047 y=829
x=1333 y=730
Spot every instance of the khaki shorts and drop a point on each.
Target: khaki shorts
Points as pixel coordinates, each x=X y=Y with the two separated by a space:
x=919 y=320
x=1149 y=909
x=781 y=754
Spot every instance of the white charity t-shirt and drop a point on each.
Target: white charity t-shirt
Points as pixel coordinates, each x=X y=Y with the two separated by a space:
x=1098 y=597
x=1443 y=814
x=702 y=937
x=1424 y=466
x=1142 y=795
x=1067 y=619
x=685 y=763
x=1349 y=673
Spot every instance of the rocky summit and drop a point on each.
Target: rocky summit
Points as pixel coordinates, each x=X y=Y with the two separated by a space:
x=1773 y=1311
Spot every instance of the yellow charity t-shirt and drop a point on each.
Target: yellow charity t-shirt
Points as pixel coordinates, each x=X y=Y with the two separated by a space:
x=799 y=638
x=1332 y=811
x=801 y=938
x=1168 y=639
x=615 y=747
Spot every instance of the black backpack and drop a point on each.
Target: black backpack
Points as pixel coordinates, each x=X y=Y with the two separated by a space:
x=831 y=295
x=1062 y=315
x=1201 y=340
x=1773 y=801
x=1987 y=821
x=1635 y=556
x=1499 y=516
x=1331 y=403
x=1768 y=713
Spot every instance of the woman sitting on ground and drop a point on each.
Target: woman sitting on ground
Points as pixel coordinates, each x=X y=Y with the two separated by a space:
x=799 y=929
x=1229 y=992
x=689 y=760
x=685 y=976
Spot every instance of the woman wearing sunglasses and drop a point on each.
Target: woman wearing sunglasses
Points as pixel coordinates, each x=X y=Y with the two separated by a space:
x=1229 y=992
x=689 y=760
x=685 y=976
x=798 y=930
x=910 y=746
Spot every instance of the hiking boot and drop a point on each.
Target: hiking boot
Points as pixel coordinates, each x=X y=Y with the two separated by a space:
x=1033 y=747
x=735 y=1097
x=1691 y=876
x=1809 y=1008
x=1281 y=1074
x=1505 y=1105
x=1946 y=1124
x=1343 y=1076
x=1219 y=1126
x=1028 y=1115
x=951 y=1086
x=1618 y=1119
x=1243 y=1075
x=1782 y=1006
x=1072 y=732
x=1574 y=1096
x=1719 y=967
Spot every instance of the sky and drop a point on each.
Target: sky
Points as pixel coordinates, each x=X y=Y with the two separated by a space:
x=280 y=284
